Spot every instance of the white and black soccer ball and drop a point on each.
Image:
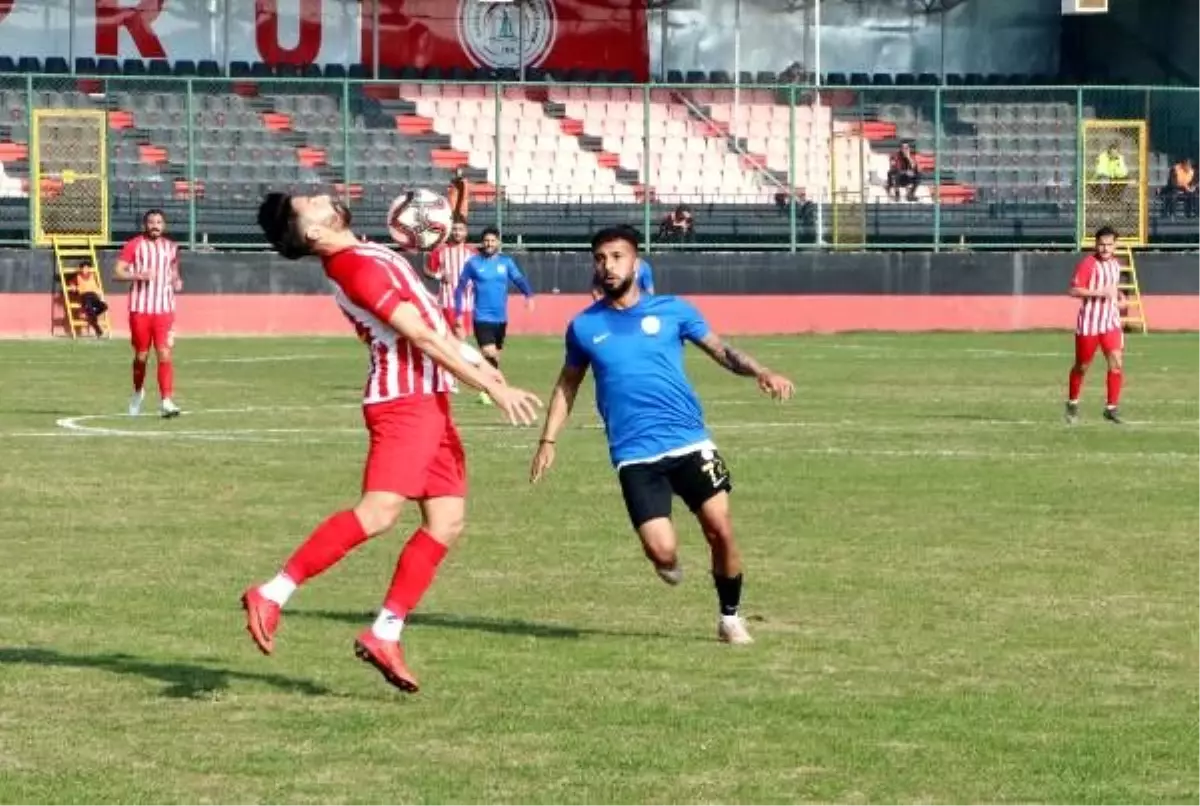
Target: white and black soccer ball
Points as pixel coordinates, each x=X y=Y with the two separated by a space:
x=419 y=219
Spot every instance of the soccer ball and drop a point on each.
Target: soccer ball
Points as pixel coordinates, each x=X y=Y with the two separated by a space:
x=419 y=219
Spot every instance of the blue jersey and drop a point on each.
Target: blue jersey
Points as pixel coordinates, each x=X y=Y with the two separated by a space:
x=490 y=276
x=644 y=275
x=644 y=396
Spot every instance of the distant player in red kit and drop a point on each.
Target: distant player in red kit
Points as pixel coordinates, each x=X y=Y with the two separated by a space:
x=150 y=264
x=1096 y=284
x=445 y=265
x=415 y=453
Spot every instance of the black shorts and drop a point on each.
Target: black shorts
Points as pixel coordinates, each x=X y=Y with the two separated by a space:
x=490 y=333
x=695 y=477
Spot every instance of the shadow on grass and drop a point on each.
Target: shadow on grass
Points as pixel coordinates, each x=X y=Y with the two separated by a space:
x=184 y=680
x=498 y=626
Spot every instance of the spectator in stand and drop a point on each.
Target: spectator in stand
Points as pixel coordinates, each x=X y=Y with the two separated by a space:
x=903 y=173
x=87 y=287
x=1181 y=184
x=1110 y=164
x=678 y=225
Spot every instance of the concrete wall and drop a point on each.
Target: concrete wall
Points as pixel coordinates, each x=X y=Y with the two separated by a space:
x=735 y=273
x=740 y=293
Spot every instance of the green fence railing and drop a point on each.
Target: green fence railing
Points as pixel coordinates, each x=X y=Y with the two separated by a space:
x=783 y=168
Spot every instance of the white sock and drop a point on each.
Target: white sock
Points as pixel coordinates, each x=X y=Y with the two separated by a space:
x=387 y=626
x=731 y=619
x=279 y=589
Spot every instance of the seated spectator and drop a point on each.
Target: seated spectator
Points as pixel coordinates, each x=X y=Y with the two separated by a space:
x=903 y=172
x=1181 y=184
x=678 y=225
x=87 y=286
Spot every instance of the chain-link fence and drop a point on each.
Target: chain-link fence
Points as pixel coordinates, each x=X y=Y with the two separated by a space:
x=791 y=167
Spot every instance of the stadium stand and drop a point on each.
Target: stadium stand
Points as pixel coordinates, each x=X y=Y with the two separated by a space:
x=571 y=153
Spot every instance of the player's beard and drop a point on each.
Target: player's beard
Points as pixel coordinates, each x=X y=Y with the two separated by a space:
x=618 y=291
x=343 y=213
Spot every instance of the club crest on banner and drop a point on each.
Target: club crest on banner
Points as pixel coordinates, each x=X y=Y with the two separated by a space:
x=506 y=35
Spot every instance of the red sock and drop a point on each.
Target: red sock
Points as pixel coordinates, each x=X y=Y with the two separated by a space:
x=139 y=375
x=415 y=570
x=1074 y=385
x=166 y=379
x=328 y=543
x=1114 y=386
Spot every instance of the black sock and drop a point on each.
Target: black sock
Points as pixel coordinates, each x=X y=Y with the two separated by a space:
x=729 y=593
x=493 y=360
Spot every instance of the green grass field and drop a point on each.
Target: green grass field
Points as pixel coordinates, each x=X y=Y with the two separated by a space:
x=955 y=597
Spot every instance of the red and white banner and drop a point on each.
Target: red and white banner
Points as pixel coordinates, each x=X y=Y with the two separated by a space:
x=605 y=35
x=554 y=34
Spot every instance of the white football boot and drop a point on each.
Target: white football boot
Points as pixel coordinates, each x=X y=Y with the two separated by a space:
x=732 y=630
x=168 y=408
x=135 y=403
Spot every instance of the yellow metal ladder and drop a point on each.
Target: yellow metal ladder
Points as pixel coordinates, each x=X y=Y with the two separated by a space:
x=69 y=251
x=1134 y=317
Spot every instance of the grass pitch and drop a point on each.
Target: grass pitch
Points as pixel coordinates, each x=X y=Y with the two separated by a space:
x=955 y=597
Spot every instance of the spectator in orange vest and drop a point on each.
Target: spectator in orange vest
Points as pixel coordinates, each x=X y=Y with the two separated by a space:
x=91 y=301
x=1181 y=184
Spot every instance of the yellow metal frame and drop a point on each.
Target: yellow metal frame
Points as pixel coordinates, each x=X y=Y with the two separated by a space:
x=100 y=118
x=838 y=213
x=69 y=249
x=1134 y=317
x=1143 y=180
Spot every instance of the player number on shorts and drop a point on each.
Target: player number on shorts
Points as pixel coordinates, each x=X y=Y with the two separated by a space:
x=715 y=468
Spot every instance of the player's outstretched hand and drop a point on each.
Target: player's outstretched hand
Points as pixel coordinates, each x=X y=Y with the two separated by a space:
x=518 y=405
x=541 y=462
x=494 y=375
x=776 y=385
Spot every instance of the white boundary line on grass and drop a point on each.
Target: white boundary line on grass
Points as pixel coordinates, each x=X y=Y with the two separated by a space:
x=81 y=426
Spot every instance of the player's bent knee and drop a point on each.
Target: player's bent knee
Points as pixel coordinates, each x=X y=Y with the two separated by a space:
x=378 y=512
x=141 y=358
x=658 y=541
x=163 y=355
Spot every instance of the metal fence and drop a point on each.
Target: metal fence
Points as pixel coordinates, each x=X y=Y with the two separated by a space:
x=760 y=167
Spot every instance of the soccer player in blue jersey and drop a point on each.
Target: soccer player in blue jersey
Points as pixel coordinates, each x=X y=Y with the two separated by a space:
x=645 y=278
x=656 y=434
x=490 y=272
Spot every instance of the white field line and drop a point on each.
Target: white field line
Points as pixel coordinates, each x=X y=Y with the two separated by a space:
x=88 y=426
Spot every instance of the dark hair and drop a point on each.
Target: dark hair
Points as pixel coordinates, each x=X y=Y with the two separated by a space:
x=86 y=263
x=277 y=219
x=1105 y=232
x=621 y=232
x=150 y=212
x=459 y=218
x=489 y=231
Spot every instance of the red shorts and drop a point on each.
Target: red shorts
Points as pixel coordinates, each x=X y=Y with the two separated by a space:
x=448 y=313
x=1108 y=342
x=148 y=330
x=415 y=450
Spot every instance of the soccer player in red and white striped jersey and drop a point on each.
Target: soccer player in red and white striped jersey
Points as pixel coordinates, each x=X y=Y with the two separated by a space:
x=445 y=265
x=415 y=453
x=1098 y=325
x=150 y=264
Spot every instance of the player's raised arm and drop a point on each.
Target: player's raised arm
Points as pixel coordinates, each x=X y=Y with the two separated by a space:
x=695 y=328
x=742 y=363
x=520 y=406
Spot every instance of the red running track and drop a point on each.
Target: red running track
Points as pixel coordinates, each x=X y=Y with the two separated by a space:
x=28 y=315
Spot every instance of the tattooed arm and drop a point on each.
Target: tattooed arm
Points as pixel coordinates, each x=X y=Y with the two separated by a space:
x=741 y=363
